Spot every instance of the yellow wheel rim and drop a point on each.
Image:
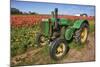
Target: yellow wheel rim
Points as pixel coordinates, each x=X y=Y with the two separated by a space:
x=60 y=50
x=42 y=38
x=84 y=35
x=42 y=41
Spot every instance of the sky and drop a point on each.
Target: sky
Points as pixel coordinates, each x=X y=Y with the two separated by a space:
x=46 y=8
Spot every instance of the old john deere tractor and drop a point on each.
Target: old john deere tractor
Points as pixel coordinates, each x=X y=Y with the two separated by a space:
x=59 y=32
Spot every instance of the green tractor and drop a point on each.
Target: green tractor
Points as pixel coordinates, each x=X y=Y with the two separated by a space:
x=59 y=32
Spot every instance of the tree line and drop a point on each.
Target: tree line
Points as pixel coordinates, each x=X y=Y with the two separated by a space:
x=15 y=11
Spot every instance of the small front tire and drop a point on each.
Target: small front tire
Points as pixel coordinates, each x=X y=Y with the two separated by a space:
x=40 y=40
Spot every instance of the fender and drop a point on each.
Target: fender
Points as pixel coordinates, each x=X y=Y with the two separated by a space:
x=78 y=23
x=69 y=33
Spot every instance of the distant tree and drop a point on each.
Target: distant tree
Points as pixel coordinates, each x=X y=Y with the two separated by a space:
x=25 y=13
x=16 y=11
x=32 y=13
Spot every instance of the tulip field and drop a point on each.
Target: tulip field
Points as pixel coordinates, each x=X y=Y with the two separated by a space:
x=20 y=20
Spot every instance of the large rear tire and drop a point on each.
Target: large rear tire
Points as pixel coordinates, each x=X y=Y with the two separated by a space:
x=83 y=33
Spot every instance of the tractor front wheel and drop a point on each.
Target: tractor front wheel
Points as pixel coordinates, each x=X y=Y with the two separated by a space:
x=40 y=40
x=58 y=49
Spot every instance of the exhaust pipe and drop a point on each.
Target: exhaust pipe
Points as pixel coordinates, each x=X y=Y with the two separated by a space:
x=56 y=13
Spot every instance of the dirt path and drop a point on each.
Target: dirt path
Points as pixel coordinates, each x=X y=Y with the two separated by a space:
x=18 y=59
x=41 y=55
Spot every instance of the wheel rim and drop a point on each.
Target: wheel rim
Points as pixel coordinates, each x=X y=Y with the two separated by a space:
x=42 y=41
x=42 y=38
x=60 y=50
x=84 y=35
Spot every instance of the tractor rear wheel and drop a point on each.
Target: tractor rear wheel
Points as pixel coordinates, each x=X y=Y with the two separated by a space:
x=83 y=33
x=58 y=49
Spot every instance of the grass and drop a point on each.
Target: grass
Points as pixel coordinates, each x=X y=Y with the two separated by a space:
x=92 y=26
x=22 y=38
x=74 y=45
